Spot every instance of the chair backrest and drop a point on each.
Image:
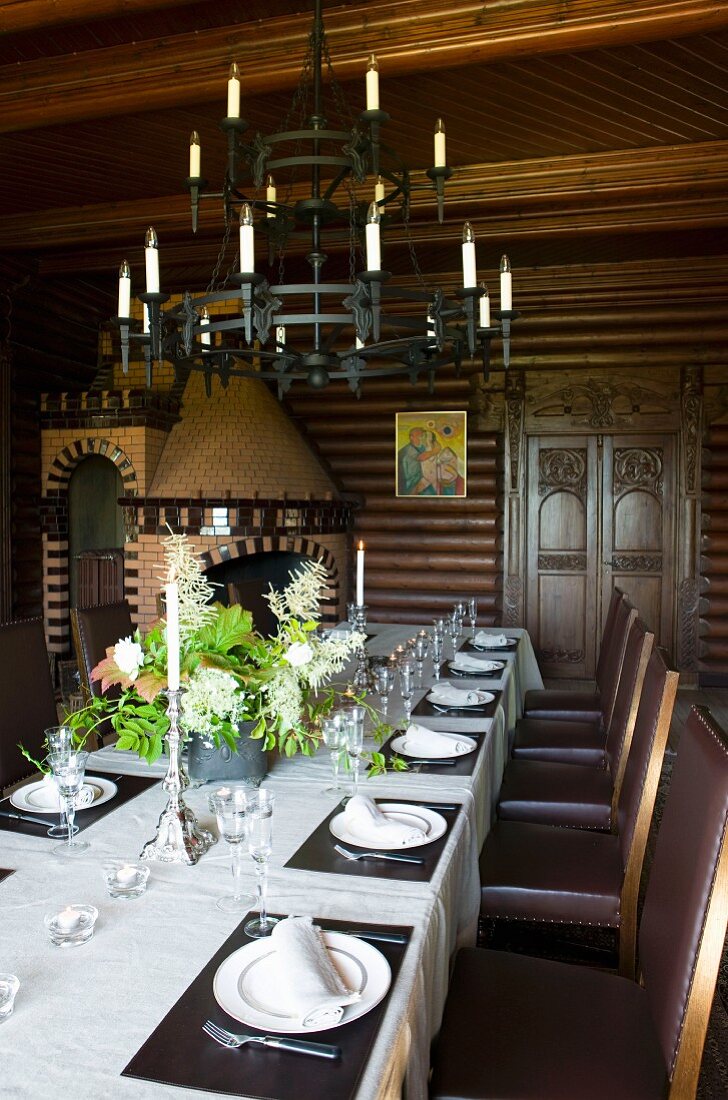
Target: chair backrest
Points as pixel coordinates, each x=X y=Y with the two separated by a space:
x=624 y=616
x=251 y=595
x=27 y=700
x=621 y=728
x=686 y=904
x=608 y=632
x=639 y=790
x=95 y=629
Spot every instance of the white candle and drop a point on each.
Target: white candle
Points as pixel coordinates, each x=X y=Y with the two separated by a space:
x=145 y=323
x=247 y=248
x=195 y=155
x=484 y=315
x=360 y=574
x=358 y=343
x=506 y=288
x=270 y=194
x=440 y=154
x=205 y=324
x=373 y=244
x=172 y=592
x=280 y=337
x=127 y=876
x=233 y=92
x=431 y=330
x=470 y=277
x=124 y=309
x=68 y=919
x=151 y=261
x=373 y=84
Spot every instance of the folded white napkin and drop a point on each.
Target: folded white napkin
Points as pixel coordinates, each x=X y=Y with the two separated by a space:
x=419 y=740
x=47 y=795
x=444 y=692
x=470 y=663
x=490 y=641
x=365 y=820
x=309 y=986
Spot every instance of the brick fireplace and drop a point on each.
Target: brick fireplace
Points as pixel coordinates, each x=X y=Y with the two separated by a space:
x=230 y=470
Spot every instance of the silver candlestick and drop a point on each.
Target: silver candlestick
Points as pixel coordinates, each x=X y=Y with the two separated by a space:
x=179 y=838
x=362 y=679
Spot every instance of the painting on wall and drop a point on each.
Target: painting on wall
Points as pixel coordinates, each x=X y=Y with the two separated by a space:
x=431 y=454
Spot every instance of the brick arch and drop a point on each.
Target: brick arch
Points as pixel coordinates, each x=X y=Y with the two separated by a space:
x=68 y=458
x=260 y=544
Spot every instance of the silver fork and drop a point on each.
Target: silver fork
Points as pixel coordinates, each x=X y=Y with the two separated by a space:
x=377 y=855
x=299 y=1046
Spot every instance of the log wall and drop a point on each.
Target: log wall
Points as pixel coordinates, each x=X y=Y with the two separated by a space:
x=714 y=561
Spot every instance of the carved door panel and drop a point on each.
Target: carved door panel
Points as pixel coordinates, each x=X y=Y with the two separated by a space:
x=638 y=526
x=563 y=552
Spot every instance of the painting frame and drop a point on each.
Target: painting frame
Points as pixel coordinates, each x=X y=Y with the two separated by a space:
x=431 y=464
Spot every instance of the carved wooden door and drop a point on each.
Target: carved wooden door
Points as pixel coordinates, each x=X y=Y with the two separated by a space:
x=600 y=512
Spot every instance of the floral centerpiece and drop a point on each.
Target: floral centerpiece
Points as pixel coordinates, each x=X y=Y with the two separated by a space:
x=229 y=673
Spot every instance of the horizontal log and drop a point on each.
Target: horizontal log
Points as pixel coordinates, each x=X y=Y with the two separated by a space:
x=714 y=586
x=422 y=556
x=422 y=617
x=717 y=436
x=464 y=545
x=384 y=467
x=713 y=606
x=405 y=599
x=714 y=564
x=715 y=478
x=715 y=503
x=713 y=651
x=466 y=584
x=31 y=15
x=484 y=486
x=458 y=525
x=714 y=521
x=407 y=506
x=715 y=543
x=713 y=628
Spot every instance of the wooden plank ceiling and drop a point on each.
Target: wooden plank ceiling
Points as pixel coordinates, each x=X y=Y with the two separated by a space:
x=583 y=134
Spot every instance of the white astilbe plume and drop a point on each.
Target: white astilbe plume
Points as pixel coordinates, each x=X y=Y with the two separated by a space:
x=329 y=657
x=195 y=591
x=301 y=598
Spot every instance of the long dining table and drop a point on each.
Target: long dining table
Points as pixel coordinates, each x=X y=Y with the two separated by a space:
x=87 y=1017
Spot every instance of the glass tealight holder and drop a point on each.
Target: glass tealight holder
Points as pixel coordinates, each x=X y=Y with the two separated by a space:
x=9 y=986
x=124 y=879
x=72 y=925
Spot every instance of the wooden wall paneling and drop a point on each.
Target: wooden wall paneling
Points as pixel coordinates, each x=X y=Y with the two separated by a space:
x=713 y=646
x=25 y=473
x=5 y=480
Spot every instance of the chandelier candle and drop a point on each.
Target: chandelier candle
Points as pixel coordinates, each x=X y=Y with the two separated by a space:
x=440 y=154
x=247 y=248
x=484 y=307
x=373 y=84
x=124 y=308
x=360 y=574
x=233 y=92
x=379 y=194
x=506 y=287
x=470 y=277
x=172 y=612
x=151 y=261
x=270 y=194
x=374 y=251
x=195 y=155
x=205 y=323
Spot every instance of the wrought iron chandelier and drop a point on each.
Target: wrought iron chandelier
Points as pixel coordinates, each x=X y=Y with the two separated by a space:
x=316 y=331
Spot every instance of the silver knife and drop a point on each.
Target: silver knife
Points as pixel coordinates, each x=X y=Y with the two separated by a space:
x=27 y=818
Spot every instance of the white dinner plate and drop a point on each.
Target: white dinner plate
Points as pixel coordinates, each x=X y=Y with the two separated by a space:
x=483 y=698
x=399 y=744
x=432 y=824
x=245 y=983
x=483 y=667
x=510 y=644
x=33 y=796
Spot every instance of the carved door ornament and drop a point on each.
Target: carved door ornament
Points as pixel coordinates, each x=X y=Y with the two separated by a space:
x=562 y=468
x=638 y=467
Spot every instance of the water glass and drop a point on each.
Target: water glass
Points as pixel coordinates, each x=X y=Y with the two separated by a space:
x=438 y=642
x=9 y=986
x=473 y=613
x=59 y=739
x=383 y=684
x=454 y=628
x=406 y=688
x=354 y=733
x=229 y=806
x=332 y=731
x=422 y=644
x=259 y=815
x=68 y=772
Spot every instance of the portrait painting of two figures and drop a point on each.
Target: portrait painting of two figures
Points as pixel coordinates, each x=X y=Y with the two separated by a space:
x=431 y=454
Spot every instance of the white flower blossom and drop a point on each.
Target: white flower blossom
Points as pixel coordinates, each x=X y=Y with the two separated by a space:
x=284 y=698
x=128 y=657
x=299 y=653
x=213 y=697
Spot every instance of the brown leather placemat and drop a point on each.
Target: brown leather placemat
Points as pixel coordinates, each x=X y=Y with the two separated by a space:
x=512 y=644
x=179 y=1053
x=317 y=853
x=446 y=673
x=128 y=787
x=425 y=709
x=459 y=765
x=5 y=871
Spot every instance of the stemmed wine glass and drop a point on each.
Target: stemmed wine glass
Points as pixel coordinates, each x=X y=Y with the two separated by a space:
x=422 y=643
x=454 y=627
x=406 y=688
x=473 y=613
x=334 y=735
x=68 y=772
x=438 y=640
x=354 y=733
x=59 y=739
x=229 y=805
x=259 y=817
x=383 y=683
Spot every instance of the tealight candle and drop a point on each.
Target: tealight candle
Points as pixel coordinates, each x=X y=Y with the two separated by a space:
x=72 y=926
x=9 y=986
x=125 y=880
x=68 y=919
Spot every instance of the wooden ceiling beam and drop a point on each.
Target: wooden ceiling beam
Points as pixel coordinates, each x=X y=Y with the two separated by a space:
x=30 y=15
x=407 y=35
x=655 y=187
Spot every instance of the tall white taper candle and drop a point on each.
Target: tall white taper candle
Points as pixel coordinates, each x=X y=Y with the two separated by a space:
x=172 y=615
x=360 y=574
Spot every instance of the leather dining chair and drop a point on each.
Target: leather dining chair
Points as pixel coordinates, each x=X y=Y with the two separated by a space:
x=27 y=699
x=582 y=795
x=597 y=705
x=523 y=1028
x=94 y=630
x=543 y=873
x=251 y=595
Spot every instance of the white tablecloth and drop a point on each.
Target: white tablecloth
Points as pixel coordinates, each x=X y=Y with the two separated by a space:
x=82 y=1013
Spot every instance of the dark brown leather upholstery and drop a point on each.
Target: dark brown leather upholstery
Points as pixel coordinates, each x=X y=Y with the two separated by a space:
x=251 y=595
x=593 y=706
x=578 y=795
x=95 y=629
x=518 y=1028
x=542 y=873
x=559 y=741
x=27 y=702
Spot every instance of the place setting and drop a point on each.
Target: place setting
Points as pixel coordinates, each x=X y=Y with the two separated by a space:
x=293 y=1014
x=438 y=752
x=456 y=702
x=483 y=641
x=470 y=666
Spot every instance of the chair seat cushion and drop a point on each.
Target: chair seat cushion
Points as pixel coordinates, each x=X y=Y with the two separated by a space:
x=559 y=741
x=572 y=706
x=542 y=873
x=556 y=794
x=518 y=1028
